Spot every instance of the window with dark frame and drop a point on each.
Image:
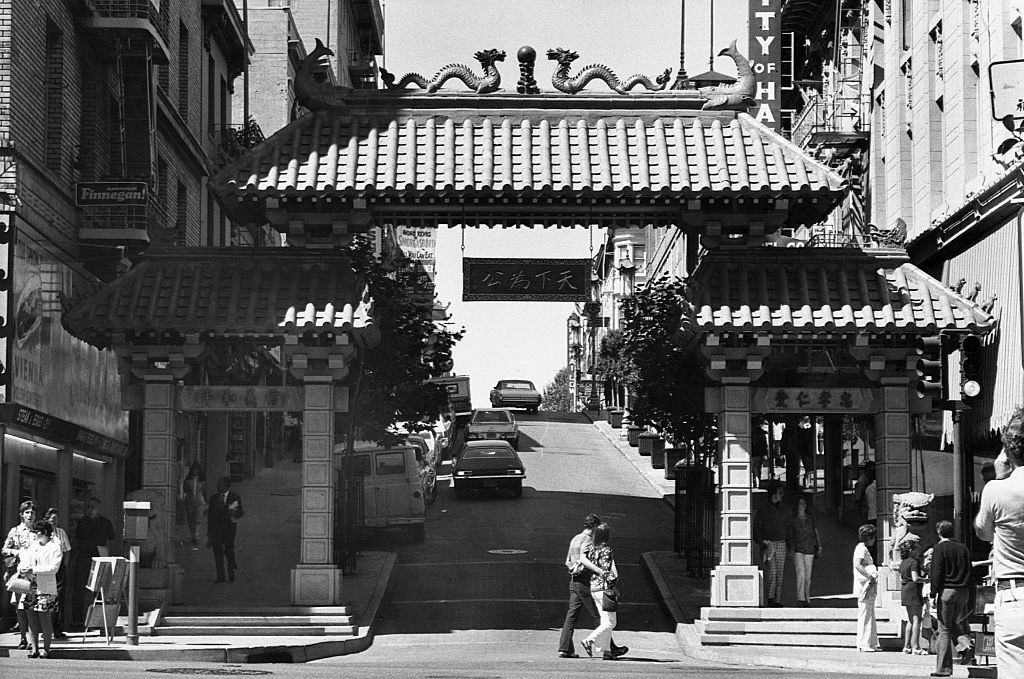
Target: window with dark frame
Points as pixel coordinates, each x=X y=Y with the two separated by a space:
x=183 y=79
x=54 y=95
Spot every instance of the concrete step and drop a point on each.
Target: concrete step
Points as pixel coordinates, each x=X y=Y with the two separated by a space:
x=262 y=631
x=254 y=620
x=261 y=610
x=817 y=640
x=807 y=614
x=848 y=627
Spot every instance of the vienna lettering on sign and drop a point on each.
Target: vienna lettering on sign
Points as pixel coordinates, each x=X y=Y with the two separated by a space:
x=93 y=194
x=531 y=280
x=765 y=60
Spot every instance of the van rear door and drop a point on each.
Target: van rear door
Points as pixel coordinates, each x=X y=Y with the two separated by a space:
x=392 y=484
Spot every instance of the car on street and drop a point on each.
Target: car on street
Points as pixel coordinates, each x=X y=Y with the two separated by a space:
x=493 y=424
x=516 y=394
x=488 y=465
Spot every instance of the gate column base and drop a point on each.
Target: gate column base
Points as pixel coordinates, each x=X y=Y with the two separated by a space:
x=737 y=586
x=316 y=585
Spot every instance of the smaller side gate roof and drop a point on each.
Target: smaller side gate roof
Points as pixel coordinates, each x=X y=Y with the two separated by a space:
x=227 y=291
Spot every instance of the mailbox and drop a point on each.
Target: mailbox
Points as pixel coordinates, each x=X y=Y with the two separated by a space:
x=136 y=521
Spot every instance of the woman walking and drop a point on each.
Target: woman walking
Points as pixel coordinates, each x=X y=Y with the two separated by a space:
x=18 y=540
x=865 y=586
x=60 y=536
x=40 y=563
x=600 y=559
x=910 y=597
x=804 y=544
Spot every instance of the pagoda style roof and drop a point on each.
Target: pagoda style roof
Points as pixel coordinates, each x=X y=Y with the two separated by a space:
x=811 y=291
x=256 y=292
x=400 y=147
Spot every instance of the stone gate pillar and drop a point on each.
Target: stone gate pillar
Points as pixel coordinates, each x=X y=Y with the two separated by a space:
x=736 y=581
x=893 y=475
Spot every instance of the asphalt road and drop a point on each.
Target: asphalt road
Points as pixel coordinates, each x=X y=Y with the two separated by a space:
x=485 y=595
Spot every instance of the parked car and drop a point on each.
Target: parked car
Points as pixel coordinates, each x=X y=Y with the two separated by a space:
x=459 y=399
x=426 y=460
x=392 y=486
x=488 y=464
x=516 y=394
x=493 y=423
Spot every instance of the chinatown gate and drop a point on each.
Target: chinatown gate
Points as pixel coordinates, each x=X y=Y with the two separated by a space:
x=368 y=158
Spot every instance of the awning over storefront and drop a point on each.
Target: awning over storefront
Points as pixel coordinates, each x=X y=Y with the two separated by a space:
x=488 y=149
x=268 y=292
x=813 y=291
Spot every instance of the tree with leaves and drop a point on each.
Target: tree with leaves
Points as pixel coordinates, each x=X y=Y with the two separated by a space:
x=389 y=381
x=613 y=363
x=668 y=378
x=557 y=395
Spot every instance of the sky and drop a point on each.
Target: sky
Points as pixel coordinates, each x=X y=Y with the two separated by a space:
x=526 y=340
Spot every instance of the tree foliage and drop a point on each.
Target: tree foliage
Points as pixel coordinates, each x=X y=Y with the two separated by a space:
x=389 y=382
x=557 y=395
x=668 y=379
x=612 y=360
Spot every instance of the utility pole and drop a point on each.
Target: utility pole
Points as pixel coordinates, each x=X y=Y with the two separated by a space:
x=958 y=477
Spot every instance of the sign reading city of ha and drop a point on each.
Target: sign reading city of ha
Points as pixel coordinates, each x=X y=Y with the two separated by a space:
x=1006 y=80
x=765 y=60
x=525 y=280
x=94 y=194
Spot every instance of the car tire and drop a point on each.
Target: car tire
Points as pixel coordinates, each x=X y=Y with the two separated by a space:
x=418 y=532
x=517 y=490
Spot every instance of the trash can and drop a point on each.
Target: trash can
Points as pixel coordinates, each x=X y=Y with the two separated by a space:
x=633 y=436
x=672 y=457
x=658 y=454
x=615 y=418
x=647 y=442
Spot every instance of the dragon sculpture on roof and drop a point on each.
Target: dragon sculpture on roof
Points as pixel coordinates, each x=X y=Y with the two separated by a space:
x=311 y=93
x=734 y=96
x=563 y=83
x=489 y=82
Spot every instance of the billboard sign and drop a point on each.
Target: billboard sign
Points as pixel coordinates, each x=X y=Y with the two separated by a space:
x=93 y=194
x=1006 y=80
x=525 y=280
x=766 y=60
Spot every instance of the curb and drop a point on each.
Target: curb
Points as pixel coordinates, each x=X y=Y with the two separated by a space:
x=632 y=459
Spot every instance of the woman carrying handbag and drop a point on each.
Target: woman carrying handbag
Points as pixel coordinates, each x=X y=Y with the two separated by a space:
x=19 y=539
x=603 y=586
x=39 y=565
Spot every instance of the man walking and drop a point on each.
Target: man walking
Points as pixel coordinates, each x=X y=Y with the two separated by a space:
x=1000 y=520
x=770 y=533
x=950 y=580
x=579 y=590
x=225 y=509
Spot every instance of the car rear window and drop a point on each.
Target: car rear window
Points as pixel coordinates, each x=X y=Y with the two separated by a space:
x=515 y=385
x=496 y=452
x=491 y=416
x=390 y=464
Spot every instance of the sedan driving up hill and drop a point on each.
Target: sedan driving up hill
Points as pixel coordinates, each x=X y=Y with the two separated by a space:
x=493 y=424
x=488 y=464
x=516 y=394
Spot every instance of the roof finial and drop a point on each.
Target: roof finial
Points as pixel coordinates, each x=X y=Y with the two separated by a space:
x=682 y=80
x=527 y=83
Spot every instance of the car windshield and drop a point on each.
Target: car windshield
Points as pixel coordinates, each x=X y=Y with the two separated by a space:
x=491 y=417
x=515 y=385
x=494 y=453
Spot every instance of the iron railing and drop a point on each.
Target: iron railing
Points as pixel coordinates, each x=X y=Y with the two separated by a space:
x=144 y=10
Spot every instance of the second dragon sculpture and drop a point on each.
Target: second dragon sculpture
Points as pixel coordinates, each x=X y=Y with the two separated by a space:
x=735 y=96
x=563 y=83
x=490 y=81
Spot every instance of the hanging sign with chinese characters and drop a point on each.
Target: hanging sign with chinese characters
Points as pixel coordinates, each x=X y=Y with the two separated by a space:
x=813 y=400
x=240 y=398
x=525 y=280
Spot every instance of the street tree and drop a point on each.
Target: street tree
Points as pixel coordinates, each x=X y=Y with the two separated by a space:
x=614 y=364
x=669 y=379
x=557 y=395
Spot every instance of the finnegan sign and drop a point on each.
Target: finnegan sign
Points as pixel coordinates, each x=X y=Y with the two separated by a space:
x=766 y=59
x=89 y=194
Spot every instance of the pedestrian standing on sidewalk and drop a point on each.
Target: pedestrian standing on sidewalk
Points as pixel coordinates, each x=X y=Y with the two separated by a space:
x=950 y=580
x=865 y=586
x=39 y=564
x=1000 y=520
x=193 y=494
x=225 y=509
x=804 y=545
x=61 y=538
x=770 y=533
x=911 y=583
x=93 y=534
x=580 y=597
x=18 y=540
x=600 y=559
x=760 y=450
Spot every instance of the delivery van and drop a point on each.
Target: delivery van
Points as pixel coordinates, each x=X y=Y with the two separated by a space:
x=392 y=487
x=459 y=399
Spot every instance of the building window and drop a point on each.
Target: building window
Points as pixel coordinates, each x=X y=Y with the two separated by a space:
x=183 y=80
x=223 y=103
x=181 y=215
x=54 y=94
x=161 y=186
x=116 y=151
x=787 y=67
x=211 y=96
x=906 y=20
x=210 y=233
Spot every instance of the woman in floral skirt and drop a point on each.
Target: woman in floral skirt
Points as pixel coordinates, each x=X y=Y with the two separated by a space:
x=39 y=564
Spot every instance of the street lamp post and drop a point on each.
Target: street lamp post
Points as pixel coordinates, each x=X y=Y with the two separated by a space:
x=593 y=310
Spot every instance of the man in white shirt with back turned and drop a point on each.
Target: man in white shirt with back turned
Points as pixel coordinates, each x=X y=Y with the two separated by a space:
x=1000 y=521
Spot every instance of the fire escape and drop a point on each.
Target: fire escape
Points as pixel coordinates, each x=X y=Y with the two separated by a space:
x=833 y=125
x=134 y=33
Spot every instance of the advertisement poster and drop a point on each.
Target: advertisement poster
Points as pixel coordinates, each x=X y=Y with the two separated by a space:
x=52 y=371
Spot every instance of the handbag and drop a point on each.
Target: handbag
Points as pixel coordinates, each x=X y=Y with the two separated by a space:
x=18 y=584
x=610 y=600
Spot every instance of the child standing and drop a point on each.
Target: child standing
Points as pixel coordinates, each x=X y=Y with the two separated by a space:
x=911 y=598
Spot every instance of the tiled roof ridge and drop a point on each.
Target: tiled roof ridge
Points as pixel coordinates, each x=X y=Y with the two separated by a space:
x=983 y=319
x=765 y=131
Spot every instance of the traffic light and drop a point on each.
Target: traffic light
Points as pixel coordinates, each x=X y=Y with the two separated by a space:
x=931 y=367
x=970 y=367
